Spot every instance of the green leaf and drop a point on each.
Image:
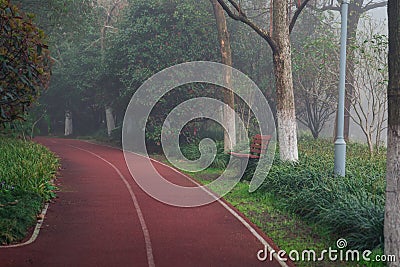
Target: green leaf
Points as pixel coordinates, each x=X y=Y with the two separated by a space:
x=39 y=49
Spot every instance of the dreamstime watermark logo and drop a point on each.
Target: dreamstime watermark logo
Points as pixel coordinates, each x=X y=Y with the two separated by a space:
x=330 y=254
x=146 y=98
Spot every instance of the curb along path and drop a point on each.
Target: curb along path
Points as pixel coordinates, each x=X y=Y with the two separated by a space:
x=102 y=218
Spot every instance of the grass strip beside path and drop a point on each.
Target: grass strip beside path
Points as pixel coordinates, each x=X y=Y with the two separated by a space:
x=27 y=171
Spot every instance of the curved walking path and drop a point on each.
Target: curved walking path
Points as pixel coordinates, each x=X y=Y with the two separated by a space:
x=102 y=218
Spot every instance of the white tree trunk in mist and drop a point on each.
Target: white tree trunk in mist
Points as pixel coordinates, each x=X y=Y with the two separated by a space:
x=279 y=41
x=230 y=134
x=287 y=130
x=287 y=125
x=68 y=123
x=110 y=120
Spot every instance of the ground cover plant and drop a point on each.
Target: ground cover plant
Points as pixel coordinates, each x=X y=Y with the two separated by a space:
x=27 y=171
x=304 y=206
x=351 y=207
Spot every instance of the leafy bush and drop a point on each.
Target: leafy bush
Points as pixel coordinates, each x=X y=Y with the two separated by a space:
x=352 y=207
x=18 y=211
x=116 y=135
x=192 y=152
x=25 y=60
x=27 y=166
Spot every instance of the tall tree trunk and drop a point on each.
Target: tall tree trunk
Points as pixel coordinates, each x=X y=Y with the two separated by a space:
x=68 y=130
x=229 y=96
x=279 y=41
x=392 y=210
x=287 y=125
x=110 y=120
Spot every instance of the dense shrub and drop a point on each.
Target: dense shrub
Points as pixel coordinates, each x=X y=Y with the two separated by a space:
x=25 y=62
x=352 y=207
x=18 y=211
x=192 y=152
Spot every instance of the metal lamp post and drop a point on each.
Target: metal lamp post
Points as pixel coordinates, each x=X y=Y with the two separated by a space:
x=340 y=144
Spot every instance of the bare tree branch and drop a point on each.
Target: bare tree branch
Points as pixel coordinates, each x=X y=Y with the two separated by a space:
x=371 y=5
x=296 y=15
x=241 y=16
x=237 y=7
x=329 y=7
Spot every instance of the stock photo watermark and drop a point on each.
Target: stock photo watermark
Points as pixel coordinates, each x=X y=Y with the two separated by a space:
x=152 y=91
x=331 y=254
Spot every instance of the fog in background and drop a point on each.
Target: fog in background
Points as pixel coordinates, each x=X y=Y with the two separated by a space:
x=356 y=134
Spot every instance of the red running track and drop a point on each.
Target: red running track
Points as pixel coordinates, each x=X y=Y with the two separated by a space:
x=103 y=218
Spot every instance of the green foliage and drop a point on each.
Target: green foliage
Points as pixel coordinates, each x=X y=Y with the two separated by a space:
x=192 y=152
x=157 y=34
x=16 y=129
x=78 y=81
x=303 y=206
x=116 y=135
x=27 y=171
x=27 y=128
x=27 y=167
x=25 y=62
x=315 y=72
x=369 y=103
x=18 y=212
x=143 y=37
x=351 y=207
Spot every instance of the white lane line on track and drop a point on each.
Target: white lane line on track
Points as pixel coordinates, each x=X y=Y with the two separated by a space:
x=35 y=233
x=223 y=204
x=232 y=211
x=149 y=250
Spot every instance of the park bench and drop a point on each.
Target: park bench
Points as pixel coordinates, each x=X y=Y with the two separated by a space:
x=258 y=147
